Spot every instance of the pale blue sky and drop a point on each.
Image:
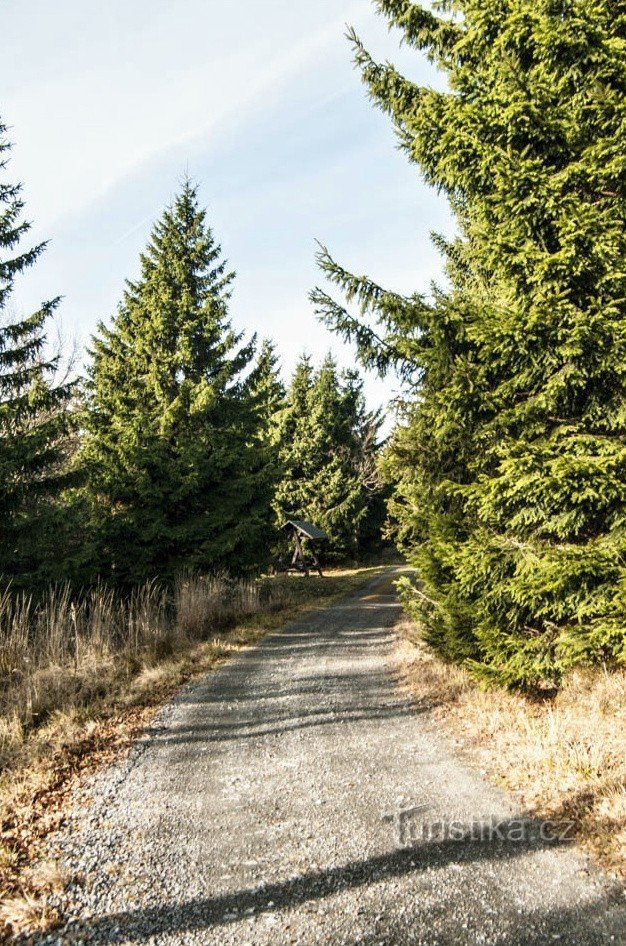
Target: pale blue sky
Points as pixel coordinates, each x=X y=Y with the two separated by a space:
x=110 y=104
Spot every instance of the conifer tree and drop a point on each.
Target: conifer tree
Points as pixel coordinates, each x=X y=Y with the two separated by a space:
x=171 y=450
x=267 y=396
x=510 y=470
x=267 y=389
x=35 y=420
x=328 y=445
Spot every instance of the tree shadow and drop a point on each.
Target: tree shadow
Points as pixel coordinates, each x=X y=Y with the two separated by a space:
x=316 y=684
x=257 y=729
x=211 y=912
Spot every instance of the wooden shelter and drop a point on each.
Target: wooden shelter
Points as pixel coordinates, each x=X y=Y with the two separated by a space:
x=305 y=536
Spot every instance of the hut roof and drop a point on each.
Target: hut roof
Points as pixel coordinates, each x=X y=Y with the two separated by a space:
x=307 y=529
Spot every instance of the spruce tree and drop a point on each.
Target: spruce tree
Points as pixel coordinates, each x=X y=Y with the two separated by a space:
x=510 y=469
x=267 y=389
x=174 y=475
x=328 y=445
x=35 y=418
x=267 y=397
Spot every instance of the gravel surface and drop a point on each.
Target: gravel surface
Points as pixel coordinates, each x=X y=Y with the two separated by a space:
x=294 y=795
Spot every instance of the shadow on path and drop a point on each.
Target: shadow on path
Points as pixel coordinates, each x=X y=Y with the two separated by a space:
x=204 y=914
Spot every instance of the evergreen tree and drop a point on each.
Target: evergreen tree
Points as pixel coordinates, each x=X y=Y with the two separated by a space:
x=175 y=479
x=328 y=447
x=293 y=433
x=267 y=396
x=510 y=470
x=267 y=390
x=34 y=414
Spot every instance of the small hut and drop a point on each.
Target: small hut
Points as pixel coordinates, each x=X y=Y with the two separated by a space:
x=305 y=536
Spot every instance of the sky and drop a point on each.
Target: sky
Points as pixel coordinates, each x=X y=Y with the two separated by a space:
x=111 y=104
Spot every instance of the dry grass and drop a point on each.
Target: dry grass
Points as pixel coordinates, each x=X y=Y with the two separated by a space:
x=563 y=758
x=80 y=678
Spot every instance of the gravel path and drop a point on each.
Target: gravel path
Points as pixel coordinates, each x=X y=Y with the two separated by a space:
x=273 y=803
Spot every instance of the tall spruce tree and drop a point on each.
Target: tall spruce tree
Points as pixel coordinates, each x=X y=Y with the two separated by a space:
x=35 y=419
x=174 y=475
x=327 y=449
x=510 y=470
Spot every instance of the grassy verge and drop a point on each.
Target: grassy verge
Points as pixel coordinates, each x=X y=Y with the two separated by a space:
x=563 y=757
x=79 y=680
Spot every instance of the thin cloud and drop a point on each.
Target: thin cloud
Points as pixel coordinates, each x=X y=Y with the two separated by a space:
x=149 y=138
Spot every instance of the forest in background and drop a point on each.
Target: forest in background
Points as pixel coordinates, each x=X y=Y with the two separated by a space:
x=180 y=449
x=505 y=479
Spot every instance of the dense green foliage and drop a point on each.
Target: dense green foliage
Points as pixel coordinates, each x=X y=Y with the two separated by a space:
x=510 y=467
x=176 y=477
x=327 y=453
x=35 y=420
x=268 y=392
x=174 y=456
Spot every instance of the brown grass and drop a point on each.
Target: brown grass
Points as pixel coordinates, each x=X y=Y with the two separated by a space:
x=563 y=757
x=80 y=678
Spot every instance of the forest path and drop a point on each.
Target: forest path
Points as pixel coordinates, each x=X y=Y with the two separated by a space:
x=271 y=803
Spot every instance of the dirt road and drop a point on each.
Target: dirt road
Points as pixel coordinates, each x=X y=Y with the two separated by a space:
x=295 y=796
